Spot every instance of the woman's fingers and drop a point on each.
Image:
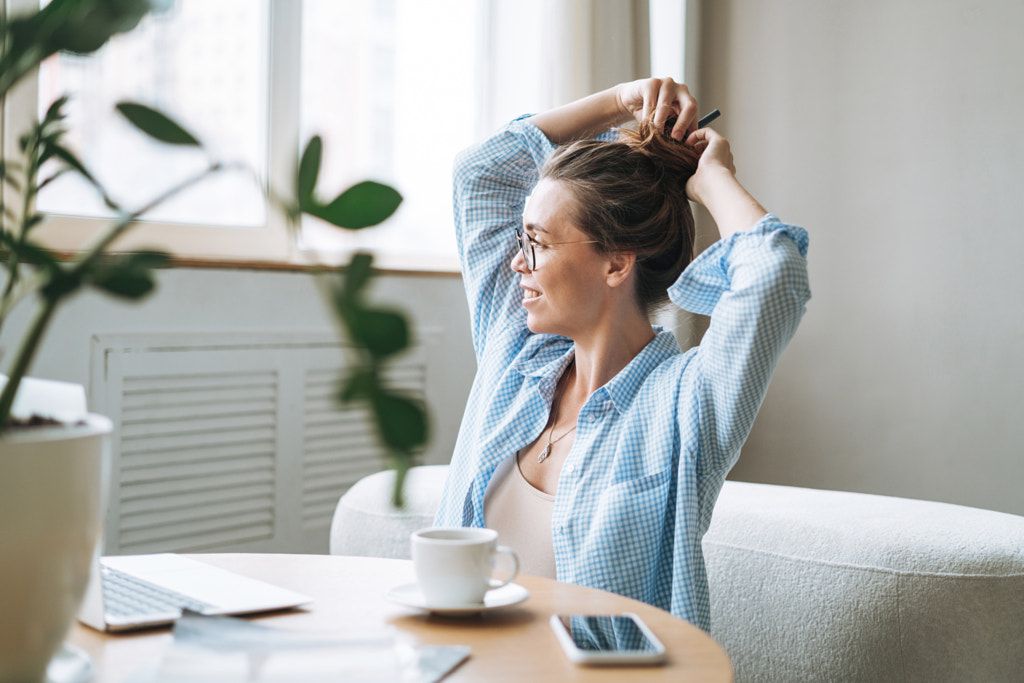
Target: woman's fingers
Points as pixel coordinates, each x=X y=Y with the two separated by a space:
x=713 y=148
x=668 y=105
x=651 y=88
x=677 y=97
x=673 y=109
x=699 y=137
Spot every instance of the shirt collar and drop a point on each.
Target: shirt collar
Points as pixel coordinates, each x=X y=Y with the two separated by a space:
x=623 y=387
x=548 y=362
x=546 y=357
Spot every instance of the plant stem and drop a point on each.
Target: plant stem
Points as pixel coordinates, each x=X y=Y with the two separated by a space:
x=126 y=221
x=14 y=264
x=26 y=354
x=400 y=462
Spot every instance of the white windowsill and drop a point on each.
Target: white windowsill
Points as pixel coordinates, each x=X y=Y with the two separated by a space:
x=227 y=247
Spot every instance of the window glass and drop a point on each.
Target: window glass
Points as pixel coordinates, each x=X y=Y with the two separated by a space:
x=204 y=62
x=390 y=85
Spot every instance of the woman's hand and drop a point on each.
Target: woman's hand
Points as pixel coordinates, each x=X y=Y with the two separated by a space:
x=661 y=100
x=715 y=160
x=714 y=185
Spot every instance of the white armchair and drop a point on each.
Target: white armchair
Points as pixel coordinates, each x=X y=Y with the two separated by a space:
x=810 y=585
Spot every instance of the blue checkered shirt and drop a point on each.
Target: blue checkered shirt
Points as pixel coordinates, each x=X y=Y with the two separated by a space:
x=654 y=444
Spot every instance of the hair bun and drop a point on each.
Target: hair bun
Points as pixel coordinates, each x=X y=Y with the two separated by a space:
x=678 y=159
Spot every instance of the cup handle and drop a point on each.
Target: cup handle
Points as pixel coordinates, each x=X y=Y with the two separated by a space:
x=505 y=550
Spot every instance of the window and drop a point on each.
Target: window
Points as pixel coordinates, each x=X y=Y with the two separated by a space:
x=388 y=84
x=205 y=63
x=391 y=88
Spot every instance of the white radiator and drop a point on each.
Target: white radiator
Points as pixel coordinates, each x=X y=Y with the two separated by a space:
x=231 y=443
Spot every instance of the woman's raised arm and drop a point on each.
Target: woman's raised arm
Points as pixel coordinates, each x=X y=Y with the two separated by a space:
x=661 y=99
x=714 y=185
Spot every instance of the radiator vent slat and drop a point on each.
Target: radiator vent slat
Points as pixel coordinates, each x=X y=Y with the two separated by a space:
x=196 y=470
x=185 y=485
x=191 y=515
x=208 y=452
x=205 y=424
x=162 y=504
x=186 y=541
x=167 y=385
x=200 y=440
x=199 y=410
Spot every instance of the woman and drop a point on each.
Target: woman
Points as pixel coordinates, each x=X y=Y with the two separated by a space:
x=591 y=442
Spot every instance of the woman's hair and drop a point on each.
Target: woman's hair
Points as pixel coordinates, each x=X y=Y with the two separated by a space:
x=631 y=196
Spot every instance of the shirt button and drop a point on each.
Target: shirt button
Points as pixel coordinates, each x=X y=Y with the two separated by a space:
x=592 y=417
x=570 y=468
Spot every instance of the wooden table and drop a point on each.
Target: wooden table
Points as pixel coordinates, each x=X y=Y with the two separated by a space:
x=514 y=644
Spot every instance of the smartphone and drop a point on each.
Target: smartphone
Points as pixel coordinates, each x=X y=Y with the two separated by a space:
x=615 y=639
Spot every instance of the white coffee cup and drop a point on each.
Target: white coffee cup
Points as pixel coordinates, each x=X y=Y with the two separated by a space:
x=453 y=566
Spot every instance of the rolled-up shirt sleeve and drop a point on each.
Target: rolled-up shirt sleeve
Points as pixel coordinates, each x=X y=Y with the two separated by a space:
x=491 y=183
x=754 y=286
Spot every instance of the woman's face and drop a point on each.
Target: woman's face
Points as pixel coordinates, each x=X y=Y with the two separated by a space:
x=566 y=293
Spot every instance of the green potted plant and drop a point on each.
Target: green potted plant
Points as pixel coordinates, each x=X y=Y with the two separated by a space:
x=52 y=483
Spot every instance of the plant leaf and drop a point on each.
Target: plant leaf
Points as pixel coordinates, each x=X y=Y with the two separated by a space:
x=309 y=171
x=129 y=276
x=146 y=259
x=402 y=422
x=382 y=333
x=60 y=284
x=55 y=112
x=360 y=206
x=68 y=157
x=156 y=124
x=73 y=162
x=33 y=220
x=84 y=27
x=50 y=179
x=26 y=251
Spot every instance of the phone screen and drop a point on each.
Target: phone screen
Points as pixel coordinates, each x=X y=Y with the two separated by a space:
x=607 y=633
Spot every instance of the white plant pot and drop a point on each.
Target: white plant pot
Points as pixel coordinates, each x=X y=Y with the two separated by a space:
x=52 y=496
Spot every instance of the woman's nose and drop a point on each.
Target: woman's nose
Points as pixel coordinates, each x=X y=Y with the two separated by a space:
x=518 y=263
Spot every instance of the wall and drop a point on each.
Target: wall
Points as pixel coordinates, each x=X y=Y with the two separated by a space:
x=892 y=130
x=212 y=300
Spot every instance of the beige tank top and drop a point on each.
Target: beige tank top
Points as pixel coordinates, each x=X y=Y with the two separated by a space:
x=521 y=514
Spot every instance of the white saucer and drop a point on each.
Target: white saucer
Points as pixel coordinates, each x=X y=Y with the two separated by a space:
x=499 y=598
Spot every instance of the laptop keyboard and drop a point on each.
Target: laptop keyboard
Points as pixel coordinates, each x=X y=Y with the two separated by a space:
x=126 y=596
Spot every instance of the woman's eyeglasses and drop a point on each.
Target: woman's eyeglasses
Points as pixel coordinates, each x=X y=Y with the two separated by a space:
x=527 y=246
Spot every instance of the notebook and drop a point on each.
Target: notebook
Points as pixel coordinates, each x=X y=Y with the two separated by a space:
x=136 y=591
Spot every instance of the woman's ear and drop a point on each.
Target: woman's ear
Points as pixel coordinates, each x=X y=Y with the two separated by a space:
x=620 y=267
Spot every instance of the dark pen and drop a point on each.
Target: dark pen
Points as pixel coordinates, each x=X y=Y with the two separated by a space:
x=708 y=118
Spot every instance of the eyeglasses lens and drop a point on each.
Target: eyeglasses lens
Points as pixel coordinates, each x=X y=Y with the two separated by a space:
x=528 y=254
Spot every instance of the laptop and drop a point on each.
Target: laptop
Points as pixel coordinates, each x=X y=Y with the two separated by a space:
x=129 y=592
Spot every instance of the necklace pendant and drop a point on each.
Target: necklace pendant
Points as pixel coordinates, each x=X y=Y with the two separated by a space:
x=544 y=454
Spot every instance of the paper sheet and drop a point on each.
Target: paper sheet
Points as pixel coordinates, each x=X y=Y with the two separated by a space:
x=226 y=649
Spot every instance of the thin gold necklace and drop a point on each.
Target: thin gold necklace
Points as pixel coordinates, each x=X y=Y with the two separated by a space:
x=547 y=449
